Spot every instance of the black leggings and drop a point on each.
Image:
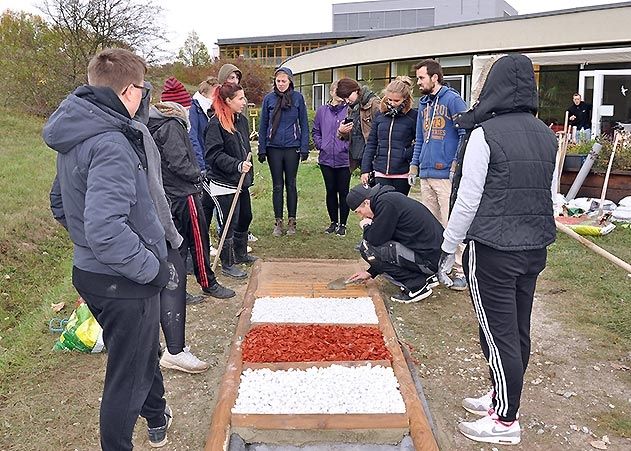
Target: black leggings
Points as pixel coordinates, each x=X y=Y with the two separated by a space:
x=400 y=185
x=173 y=306
x=336 y=182
x=283 y=164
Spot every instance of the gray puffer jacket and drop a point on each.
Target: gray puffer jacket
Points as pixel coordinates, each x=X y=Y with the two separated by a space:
x=101 y=193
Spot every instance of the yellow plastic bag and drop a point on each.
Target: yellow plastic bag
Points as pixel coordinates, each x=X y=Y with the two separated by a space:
x=82 y=333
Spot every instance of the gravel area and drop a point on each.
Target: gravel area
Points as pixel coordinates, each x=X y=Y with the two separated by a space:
x=314 y=310
x=331 y=390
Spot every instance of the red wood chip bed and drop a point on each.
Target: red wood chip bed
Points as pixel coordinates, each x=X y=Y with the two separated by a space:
x=310 y=343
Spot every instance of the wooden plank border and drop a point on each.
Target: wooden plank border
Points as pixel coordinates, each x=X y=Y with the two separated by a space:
x=321 y=421
x=219 y=431
x=420 y=430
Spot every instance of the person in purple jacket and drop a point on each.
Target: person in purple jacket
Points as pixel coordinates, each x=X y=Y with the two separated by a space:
x=333 y=160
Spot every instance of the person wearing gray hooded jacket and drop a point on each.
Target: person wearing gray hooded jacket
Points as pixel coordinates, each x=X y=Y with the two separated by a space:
x=502 y=207
x=172 y=302
x=101 y=196
x=168 y=123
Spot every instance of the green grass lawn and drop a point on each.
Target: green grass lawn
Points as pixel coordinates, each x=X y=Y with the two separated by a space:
x=35 y=254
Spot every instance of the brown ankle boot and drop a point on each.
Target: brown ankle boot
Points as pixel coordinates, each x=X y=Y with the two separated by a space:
x=291 y=226
x=278 y=227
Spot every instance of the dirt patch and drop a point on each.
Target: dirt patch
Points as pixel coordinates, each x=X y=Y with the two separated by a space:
x=572 y=381
x=569 y=385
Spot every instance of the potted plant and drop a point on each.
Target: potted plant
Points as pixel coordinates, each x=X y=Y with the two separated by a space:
x=619 y=179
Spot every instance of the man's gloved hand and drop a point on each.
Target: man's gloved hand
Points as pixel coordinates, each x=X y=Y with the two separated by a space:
x=261 y=158
x=412 y=175
x=304 y=156
x=174 y=280
x=445 y=265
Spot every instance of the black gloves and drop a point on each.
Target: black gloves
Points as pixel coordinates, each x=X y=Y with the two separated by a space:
x=261 y=158
x=304 y=156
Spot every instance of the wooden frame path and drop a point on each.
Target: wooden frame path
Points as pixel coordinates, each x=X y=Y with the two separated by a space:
x=413 y=421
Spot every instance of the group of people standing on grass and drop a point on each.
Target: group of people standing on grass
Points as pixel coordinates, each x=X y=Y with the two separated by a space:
x=137 y=186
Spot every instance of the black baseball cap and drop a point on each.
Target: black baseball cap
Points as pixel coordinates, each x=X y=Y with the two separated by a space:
x=358 y=194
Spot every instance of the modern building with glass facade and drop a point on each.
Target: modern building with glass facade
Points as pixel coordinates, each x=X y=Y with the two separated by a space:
x=364 y=19
x=584 y=50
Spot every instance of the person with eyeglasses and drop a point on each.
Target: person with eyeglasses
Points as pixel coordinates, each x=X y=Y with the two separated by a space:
x=101 y=196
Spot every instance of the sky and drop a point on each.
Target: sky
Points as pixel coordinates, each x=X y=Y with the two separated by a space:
x=267 y=17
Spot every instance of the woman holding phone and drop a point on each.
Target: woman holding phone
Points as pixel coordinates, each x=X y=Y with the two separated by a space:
x=333 y=159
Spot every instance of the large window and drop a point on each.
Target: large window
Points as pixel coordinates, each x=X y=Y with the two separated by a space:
x=347 y=71
x=323 y=76
x=555 y=93
x=368 y=72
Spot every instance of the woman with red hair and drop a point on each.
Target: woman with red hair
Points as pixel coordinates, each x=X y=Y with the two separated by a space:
x=226 y=148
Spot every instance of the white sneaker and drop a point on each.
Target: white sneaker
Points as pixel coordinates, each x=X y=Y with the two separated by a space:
x=251 y=237
x=249 y=249
x=479 y=406
x=213 y=251
x=184 y=361
x=490 y=429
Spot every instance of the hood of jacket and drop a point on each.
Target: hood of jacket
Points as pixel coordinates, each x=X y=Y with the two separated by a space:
x=507 y=85
x=87 y=112
x=161 y=112
x=364 y=97
x=225 y=71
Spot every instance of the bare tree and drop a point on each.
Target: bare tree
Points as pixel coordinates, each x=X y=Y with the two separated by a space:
x=194 y=52
x=87 y=26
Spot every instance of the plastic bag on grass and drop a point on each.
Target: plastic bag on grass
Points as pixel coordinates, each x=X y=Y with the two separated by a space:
x=82 y=333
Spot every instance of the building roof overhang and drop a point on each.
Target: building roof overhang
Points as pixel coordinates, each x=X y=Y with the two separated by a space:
x=603 y=26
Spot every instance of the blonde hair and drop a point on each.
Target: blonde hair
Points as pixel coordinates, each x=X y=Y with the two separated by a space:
x=403 y=86
x=207 y=85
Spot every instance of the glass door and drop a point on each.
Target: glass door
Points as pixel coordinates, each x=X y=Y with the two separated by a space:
x=610 y=94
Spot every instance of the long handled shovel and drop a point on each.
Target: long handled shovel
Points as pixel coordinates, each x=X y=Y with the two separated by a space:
x=226 y=223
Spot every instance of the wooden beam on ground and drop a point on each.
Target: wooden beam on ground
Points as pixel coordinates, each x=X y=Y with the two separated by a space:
x=420 y=430
x=321 y=421
x=219 y=432
x=599 y=250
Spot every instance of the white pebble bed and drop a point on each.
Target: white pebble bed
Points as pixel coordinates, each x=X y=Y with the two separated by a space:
x=331 y=390
x=293 y=309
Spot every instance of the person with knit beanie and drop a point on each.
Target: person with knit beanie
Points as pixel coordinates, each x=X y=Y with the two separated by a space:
x=174 y=91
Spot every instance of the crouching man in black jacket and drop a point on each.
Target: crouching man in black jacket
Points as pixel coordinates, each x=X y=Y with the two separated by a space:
x=401 y=240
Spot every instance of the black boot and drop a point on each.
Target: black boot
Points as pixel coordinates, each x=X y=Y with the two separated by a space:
x=218 y=291
x=228 y=264
x=241 y=249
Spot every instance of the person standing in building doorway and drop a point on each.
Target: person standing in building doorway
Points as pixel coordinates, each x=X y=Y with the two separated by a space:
x=284 y=143
x=435 y=149
x=580 y=119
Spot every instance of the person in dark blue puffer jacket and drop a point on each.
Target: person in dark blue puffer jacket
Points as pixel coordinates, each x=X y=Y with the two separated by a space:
x=390 y=144
x=284 y=142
